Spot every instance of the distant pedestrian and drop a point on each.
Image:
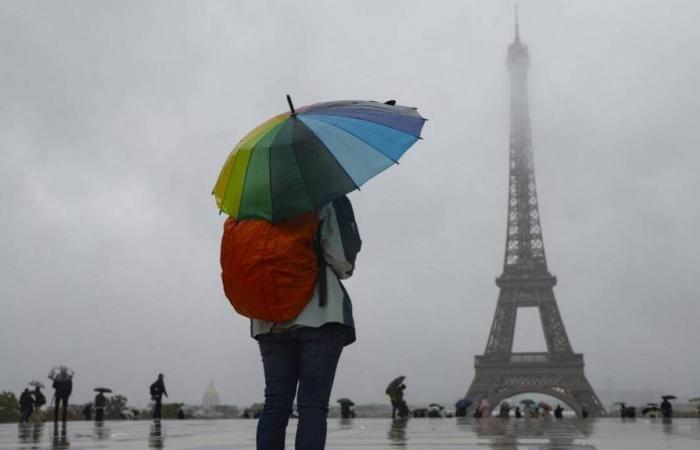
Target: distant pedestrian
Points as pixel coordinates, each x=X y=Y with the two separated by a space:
x=26 y=405
x=157 y=392
x=63 y=387
x=100 y=404
x=584 y=412
x=558 y=412
x=666 y=409
x=518 y=412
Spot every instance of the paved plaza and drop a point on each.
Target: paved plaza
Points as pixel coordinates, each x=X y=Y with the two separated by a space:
x=369 y=434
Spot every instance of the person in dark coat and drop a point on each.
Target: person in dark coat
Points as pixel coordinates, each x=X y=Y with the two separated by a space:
x=26 y=405
x=518 y=412
x=558 y=412
x=100 y=404
x=157 y=392
x=666 y=409
x=63 y=387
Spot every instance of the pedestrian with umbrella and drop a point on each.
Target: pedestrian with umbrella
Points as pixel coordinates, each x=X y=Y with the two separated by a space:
x=395 y=392
x=39 y=398
x=62 y=378
x=157 y=390
x=100 y=403
x=290 y=226
x=666 y=407
x=346 y=408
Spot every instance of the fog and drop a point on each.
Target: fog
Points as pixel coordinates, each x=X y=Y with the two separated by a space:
x=116 y=116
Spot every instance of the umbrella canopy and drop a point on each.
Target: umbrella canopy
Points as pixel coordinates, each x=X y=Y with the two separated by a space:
x=301 y=160
x=395 y=384
x=102 y=390
x=669 y=397
x=528 y=402
x=544 y=405
x=36 y=383
x=463 y=403
x=345 y=401
x=60 y=373
x=649 y=409
x=435 y=405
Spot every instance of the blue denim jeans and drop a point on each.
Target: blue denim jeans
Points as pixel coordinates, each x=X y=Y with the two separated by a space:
x=307 y=358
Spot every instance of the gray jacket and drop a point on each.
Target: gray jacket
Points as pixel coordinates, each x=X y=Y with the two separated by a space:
x=338 y=307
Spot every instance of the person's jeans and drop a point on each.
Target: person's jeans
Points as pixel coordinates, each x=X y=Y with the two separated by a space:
x=306 y=357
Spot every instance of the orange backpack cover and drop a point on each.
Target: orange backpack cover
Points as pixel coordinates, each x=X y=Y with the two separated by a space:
x=269 y=270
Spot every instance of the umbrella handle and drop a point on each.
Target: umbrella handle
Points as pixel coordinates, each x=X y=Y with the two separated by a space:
x=291 y=105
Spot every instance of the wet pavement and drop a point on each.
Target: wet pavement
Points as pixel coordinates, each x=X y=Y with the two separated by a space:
x=369 y=434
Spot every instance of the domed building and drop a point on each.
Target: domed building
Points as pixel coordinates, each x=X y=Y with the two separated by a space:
x=210 y=400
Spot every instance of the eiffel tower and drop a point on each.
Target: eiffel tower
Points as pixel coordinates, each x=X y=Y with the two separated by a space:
x=526 y=282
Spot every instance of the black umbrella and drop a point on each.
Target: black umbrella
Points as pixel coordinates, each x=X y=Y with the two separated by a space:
x=102 y=390
x=345 y=401
x=435 y=405
x=669 y=397
x=395 y=384
x=649 y=409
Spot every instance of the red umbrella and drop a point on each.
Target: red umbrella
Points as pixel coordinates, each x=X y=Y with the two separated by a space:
x=544 y=405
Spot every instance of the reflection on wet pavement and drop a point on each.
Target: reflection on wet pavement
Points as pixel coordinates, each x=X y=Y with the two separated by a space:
x=368 y=434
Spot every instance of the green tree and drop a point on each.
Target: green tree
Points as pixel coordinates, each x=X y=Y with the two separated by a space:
x=9 y=407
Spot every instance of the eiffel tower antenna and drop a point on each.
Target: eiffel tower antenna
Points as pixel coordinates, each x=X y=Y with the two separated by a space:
x=517 y=25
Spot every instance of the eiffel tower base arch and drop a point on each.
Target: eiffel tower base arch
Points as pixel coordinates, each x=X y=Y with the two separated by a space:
x=562 y=378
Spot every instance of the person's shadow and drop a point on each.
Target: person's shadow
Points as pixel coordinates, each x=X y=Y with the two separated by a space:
x=397 y=432
x=156 y=438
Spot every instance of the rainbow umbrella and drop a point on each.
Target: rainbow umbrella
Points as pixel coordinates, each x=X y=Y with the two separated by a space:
x=300 y=160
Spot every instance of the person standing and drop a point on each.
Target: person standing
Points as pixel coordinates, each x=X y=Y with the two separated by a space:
x=100 y=404
x=26 y=405
x=666 y=409
x=63 y=387
x=300 y=355
x=157 y=392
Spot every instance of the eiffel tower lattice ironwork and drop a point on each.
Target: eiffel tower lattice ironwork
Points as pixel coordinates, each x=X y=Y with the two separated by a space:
x=526 y=282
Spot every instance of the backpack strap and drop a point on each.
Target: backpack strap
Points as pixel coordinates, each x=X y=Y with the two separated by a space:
x=322 y=276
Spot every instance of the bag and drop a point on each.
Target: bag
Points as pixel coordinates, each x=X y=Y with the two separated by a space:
x=154 y=390
x=269 y=270
x=39 y=399
x=349 y=233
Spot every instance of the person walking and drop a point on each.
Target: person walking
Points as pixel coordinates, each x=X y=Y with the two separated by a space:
x=300 y=355
x=26 y=405
x=157 y=392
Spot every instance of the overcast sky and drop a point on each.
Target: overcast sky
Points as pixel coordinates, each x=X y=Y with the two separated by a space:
x=116 y=116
